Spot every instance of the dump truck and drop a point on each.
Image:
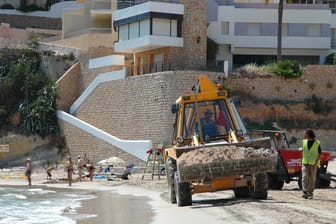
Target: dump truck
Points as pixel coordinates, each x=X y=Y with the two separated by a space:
x=214 y=152
x=289 y=162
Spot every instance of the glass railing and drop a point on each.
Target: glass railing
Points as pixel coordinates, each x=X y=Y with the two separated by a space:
x=121 y=4
x=101 y=4
x=141 y=69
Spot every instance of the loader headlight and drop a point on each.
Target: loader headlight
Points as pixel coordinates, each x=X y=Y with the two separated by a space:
x=180 y=140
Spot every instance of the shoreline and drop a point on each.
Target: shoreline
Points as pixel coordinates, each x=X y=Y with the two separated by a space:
x=116 y=201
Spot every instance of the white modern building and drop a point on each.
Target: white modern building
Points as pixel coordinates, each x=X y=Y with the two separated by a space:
x=247 y=30
x=172 y=34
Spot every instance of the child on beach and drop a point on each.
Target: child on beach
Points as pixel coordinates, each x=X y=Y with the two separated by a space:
x=49 y=169
x=29 y=168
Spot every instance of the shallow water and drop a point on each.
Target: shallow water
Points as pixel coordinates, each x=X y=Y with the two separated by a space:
x=22 y=205
x=40 y=206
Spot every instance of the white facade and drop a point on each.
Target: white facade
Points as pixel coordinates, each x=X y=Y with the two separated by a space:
x=251 y=29
x=149 y=32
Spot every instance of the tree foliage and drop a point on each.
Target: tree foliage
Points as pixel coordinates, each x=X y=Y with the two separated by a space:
x=25 y=90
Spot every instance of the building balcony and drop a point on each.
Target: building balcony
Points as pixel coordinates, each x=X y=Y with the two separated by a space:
x=287 y=42
x=101 y=7
x=146 y=43
x=148 y=26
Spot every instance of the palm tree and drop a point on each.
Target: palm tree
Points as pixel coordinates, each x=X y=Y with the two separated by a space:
x=280 y=12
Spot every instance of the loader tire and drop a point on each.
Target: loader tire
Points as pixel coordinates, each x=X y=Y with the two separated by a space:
x=260 y=186
x=274 y=183
x=241 y=192
x=170 y=170
x=183 y=193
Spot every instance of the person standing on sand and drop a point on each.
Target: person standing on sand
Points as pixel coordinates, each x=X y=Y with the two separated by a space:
x=69 y=170
x=29 y=169
x=311 y=152
x=80 y=165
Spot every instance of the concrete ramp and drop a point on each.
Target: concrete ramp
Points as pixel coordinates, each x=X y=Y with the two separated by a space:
x=136 y=148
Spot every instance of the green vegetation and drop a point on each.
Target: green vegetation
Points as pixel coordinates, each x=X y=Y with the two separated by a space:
x=288 y=69
x=285 y=68
x=7 y=6
x=330 y=59
x=28 y=95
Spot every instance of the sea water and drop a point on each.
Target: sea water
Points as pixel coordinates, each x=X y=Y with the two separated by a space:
x=40 y=206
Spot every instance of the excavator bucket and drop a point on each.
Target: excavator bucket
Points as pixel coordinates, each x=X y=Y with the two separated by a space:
x=204 y=163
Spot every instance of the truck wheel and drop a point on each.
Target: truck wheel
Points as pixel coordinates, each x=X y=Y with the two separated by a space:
x=241 y=192
x=170 y=170
x=260 y=186
x=183 y=193
x=274 y=183
x=325 y=183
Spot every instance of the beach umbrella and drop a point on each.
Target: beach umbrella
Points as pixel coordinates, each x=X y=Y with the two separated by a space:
x=103 y=162
x=115 y=160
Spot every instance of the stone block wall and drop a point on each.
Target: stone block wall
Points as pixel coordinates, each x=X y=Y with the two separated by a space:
x=319 y=80
x=81 y=143
x=194 y=32
x=68 y=88
x=23 y=22
x=137 y=108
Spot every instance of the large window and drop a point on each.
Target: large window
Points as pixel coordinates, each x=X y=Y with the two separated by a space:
x=314 y=30
x=149 y=26
x=134 y=30
x=144 y=27
x=123 y=32
x=225 y=28
x=162 y=27
x=253 y=29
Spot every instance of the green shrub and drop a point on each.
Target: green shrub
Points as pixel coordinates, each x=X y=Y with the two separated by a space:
x=7 y=6
x=288 y=68
x=30 y=8
x=330 y=59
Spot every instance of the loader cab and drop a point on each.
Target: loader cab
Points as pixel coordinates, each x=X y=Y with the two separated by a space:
x=209 y=120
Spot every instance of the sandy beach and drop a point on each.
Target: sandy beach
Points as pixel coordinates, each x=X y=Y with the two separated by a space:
x=116 y=201
x=146 y=202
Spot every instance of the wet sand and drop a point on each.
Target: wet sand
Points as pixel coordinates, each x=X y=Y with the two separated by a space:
x=113 y=208
x=115 y=202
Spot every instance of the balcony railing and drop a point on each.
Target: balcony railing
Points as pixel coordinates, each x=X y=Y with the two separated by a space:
x=101 y=4
x=121 y=4
x=87 y=31
x=163 y=66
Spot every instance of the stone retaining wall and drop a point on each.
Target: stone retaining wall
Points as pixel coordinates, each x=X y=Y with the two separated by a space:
x=319 y=80
x=23 y=22
x=138 y=108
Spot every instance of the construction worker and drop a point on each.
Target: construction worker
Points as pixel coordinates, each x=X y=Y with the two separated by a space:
x=311 y=151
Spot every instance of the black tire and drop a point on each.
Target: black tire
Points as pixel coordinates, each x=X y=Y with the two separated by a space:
x=260 y=189
x=183 y=193
x=324 y=183
x=274 y=183
x=170 y=170
x=241 y=192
